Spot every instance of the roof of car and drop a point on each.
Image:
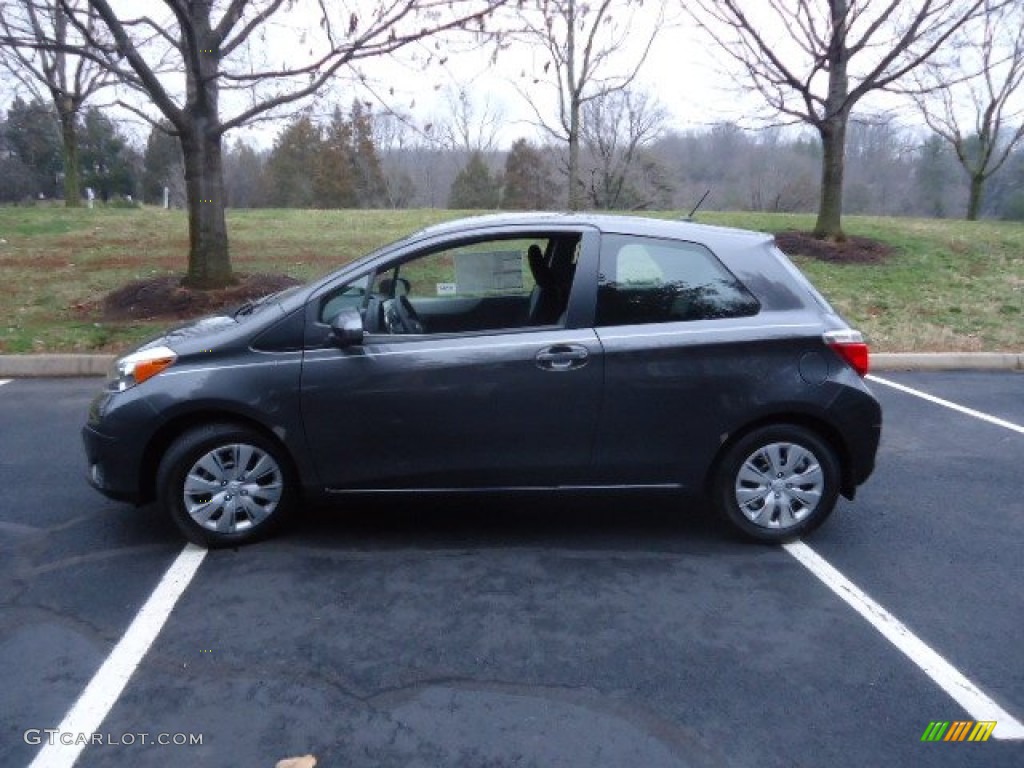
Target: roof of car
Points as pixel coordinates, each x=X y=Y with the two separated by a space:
x=680 y=229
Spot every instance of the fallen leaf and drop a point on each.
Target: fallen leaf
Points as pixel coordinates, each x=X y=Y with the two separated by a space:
x=306 y=761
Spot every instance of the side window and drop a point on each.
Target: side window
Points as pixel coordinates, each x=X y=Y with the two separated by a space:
x=475 y=271
x=478 y=286
x=352 y=295
x=647 y=280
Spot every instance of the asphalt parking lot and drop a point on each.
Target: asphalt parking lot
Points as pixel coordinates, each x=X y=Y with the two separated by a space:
x=629 y=631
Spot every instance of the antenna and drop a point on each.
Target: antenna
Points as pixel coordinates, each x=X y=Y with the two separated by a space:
x=698 y=205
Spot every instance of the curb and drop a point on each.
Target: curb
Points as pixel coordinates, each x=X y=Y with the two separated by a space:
x=13 y=366
x=947 y=361
x=67 y=365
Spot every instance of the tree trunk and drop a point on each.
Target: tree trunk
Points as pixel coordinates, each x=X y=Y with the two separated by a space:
x=209 y=265
x=69 y=139
x=575 y=187
x=974 y=199
x=832 y=127
x=575 y=92
x=833 y=167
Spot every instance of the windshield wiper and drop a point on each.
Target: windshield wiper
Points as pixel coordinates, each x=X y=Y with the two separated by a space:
x=248 y=307
x=244 y=309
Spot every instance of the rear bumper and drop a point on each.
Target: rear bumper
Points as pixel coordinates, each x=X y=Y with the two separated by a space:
x=859 y=418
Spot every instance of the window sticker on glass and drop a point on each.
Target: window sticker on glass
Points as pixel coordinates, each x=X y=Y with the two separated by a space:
x=487 y=271
x=447 y=289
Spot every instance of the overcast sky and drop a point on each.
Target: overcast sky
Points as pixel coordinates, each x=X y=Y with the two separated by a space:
x=681 y=71
x=684 y=72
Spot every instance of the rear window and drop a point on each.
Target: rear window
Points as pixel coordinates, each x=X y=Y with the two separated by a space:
x=649 y=280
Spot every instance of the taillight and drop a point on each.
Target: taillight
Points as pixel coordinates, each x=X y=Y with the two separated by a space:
x=851 y=347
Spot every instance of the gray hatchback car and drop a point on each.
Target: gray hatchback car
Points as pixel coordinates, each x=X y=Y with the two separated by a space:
x=525 y=352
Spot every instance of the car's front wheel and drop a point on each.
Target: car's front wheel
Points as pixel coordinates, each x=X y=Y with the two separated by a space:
x=225 y=485
x=777 y=482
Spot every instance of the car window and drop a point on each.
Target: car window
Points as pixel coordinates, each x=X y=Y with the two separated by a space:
x=495 y=268
x=352 y=294
x=482 y=285
x=648 y=280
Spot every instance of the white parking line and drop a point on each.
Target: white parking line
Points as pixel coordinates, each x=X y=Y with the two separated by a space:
x=4 y=381
x=948 y=404
x=944 y=674
x=103 y=690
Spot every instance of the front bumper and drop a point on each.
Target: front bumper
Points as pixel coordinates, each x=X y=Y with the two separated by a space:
x=112 y=470
x=115 y=436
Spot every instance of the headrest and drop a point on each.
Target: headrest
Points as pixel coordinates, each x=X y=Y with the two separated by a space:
x=542 y=275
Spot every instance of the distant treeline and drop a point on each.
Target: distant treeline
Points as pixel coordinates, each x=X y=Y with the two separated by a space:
x=355 y=158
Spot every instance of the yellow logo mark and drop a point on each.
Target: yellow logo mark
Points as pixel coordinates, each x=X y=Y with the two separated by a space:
x=982 y=730
x=958 y=730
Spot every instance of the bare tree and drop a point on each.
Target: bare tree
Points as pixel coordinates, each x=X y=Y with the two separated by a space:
x=582 y=43
x=616 y=127
x=430 y=166
x=814 y=61
x=393 y=133
x=470 y=127
x=878 y=151
x=52 y=73
x=261 y=56
x=978 y=116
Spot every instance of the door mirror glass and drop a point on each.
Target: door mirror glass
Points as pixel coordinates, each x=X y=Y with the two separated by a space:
x=347 y=328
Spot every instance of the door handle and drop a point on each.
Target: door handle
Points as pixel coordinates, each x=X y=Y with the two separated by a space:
x=562 y=357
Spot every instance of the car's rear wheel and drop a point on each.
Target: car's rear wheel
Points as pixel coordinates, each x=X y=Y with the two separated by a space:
x=777 y=482
x=225 y=485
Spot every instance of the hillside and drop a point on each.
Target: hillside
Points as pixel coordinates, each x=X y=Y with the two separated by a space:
x=945 y=285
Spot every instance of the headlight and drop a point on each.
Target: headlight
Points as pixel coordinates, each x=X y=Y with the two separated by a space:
x=138 y=366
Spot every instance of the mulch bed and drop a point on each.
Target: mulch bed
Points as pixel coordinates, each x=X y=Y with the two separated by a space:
x=852 y=250
x=165 y=298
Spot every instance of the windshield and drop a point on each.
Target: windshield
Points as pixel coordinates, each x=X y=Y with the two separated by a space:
x=255 y=305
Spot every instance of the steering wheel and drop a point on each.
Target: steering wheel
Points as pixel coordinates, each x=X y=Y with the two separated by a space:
x=400 y=317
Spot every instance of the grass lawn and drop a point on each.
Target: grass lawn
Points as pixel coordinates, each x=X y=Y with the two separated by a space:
x=949 y=286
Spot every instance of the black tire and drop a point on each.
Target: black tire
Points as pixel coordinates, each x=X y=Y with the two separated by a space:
x=790 y=468
x=246 y=507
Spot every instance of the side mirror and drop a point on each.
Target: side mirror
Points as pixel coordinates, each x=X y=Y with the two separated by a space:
x=347 y=328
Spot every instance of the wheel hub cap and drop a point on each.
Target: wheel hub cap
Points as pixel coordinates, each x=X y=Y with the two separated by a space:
x=779 y=485
x=233 y=488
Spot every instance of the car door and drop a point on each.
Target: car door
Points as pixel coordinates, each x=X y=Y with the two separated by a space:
x=681 y=366
x=509 y=406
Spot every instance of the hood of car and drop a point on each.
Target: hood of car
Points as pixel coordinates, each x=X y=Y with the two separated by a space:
x=204 y=326
x=254 y=315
